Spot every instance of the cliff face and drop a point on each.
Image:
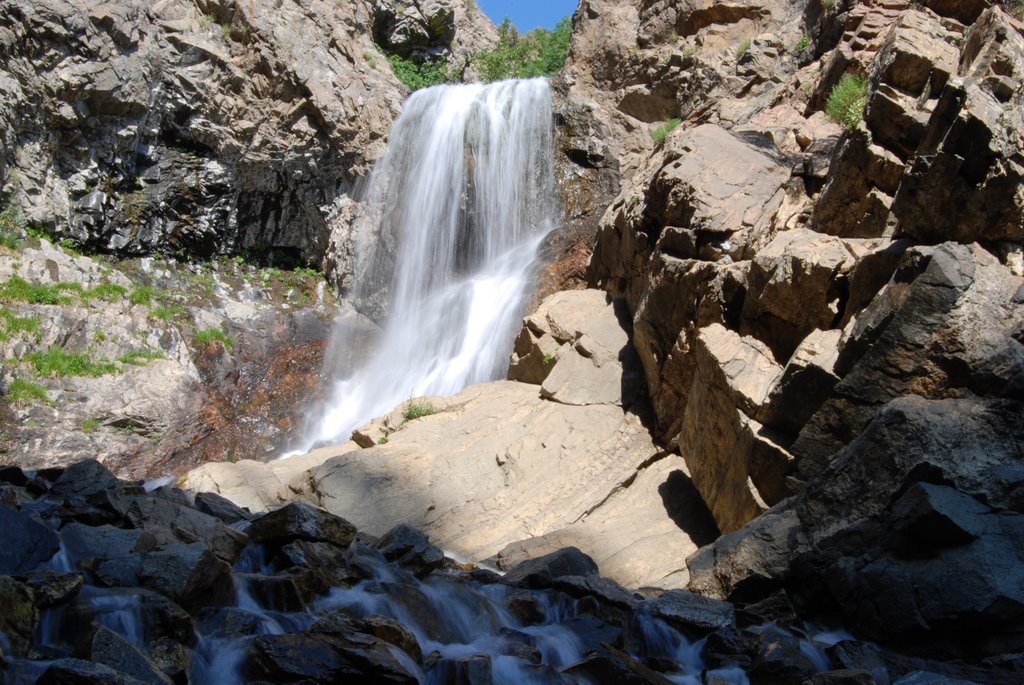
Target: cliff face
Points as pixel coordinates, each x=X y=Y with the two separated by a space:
x=829 y=318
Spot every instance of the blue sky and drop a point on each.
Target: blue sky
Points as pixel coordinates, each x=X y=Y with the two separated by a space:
x=528 y=14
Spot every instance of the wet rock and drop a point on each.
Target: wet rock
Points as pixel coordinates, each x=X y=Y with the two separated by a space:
x=190 y=575
x=327 y=562
x=171 y=522
x=53 y=587
x=542 y=571
x=79 y=672
x=298 y=520
x=91 y=483
x=393 y=632
x=114 y=554
x=694 y=613
x=604 y=670
x=843 y=676
x=323 y=659
x=19 y=615
x=604 y=590
x=221 y=508
x=27 y=543
x=410 y=548
x=110 y=649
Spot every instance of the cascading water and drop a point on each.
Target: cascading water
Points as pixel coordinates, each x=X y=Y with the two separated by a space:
x=448 y=246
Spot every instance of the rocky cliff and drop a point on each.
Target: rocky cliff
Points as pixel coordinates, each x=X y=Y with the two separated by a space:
x=828 y=315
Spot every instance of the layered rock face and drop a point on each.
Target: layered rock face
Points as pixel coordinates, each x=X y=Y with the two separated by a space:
x=512 y=470
x=205 y=128
x=828 y=320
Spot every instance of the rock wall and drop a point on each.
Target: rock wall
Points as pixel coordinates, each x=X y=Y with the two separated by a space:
x=204 y=127
x=798 y=288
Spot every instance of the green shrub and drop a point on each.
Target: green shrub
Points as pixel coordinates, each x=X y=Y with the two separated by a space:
x=845 y=104
x=20 y=391
x=659 y=134
x=742 y=48
x=538 y=53
x=208 y=336
x=17 y=289
x=56 y=363
x=419 y=75
x=801 y=44
x=415 y=409
x=90 y=425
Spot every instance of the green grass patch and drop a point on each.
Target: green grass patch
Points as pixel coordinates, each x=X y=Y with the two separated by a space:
x=11 y=325
x=845 y=104
x=415 y=409
x=142 y=295
x=56 y=363
x=659 y=134
x=167 y=312
x=208 y=336
x=108 y=292
x=90 y=425
x=20 y=391
x=801 y=44
x=742 y=48
x=140 y=357
x=17 y=289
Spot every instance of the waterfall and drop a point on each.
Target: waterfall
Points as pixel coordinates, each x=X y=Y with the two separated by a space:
x=447 y=248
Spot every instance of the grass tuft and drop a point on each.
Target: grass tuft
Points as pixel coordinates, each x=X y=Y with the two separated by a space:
x=659 y=134
x=20 y=391
x=56 y=363
x=415 y=409
x=208 y=336
x=140 y=357
x=845 y=104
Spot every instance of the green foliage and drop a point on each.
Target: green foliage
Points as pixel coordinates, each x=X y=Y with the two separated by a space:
x=17 y=289
x=167 y=312
x=90 y=425
x=419 y=75
x=21 y=391
x=690 y=50
x=845 y=104
x=548 y=358
x=742 y=48
x=56 y=363
x=12 y=325
x=382 y=440
x=140 y=357
x=801 y=44
x=208 y=336
x=108 y=292
x=828 y=4
x=538 y=53
x=415 y=409
x=142 y=295
x=10 y=225
x=659 y=134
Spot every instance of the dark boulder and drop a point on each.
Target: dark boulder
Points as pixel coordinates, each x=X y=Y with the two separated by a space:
x=301 y=521
x=541 y=572
x=221 y=507
x=26 y=542
x=410 y=548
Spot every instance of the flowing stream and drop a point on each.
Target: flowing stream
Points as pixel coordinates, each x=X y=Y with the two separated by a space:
x=447 y=248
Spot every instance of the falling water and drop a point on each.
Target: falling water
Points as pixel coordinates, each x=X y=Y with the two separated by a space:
x=448 y=248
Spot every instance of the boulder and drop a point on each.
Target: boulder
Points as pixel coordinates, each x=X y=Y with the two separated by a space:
x=191 y=575
x=79 y=672
x=221 y=508
x=300 y=521
x=170 y=522
x=27 y=543
x=696 y=614
x=410 y=548
x=111 y=649
x=19 y=616
x=542 y=571
x=318 y=658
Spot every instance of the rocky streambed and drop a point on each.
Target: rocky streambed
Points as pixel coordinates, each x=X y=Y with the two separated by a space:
x=110 y=581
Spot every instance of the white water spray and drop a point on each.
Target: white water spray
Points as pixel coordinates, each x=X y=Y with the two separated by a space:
x=456 y=212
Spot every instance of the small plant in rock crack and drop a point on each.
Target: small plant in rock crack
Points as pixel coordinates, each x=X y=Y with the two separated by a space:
x=846 y=101
x=659 y=134
x=415 y=409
